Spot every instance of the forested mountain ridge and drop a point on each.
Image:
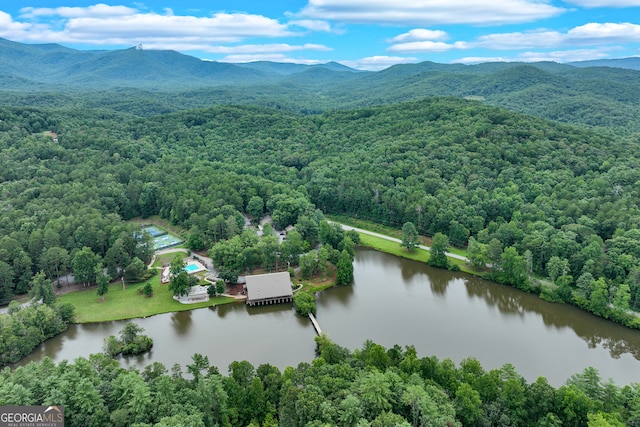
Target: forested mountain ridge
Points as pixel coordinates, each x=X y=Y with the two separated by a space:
x=558 y=200
x=156 y=82
x=632 y=63
x=47 y=64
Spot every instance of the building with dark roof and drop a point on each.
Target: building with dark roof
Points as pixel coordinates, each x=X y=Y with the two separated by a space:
x=271 y=288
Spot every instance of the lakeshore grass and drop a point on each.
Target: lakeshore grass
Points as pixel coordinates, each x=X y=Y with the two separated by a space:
x=122 y=304
x=394 y=248
x=387 y=231
x=318 y=283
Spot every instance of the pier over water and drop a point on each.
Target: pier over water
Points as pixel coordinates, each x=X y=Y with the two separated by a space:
x=315 y=324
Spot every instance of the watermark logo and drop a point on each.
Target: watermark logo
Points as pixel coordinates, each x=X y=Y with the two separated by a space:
x=31 y=416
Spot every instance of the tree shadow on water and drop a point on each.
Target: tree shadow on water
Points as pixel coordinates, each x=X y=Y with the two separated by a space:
x=439 y=283
x=181 y=322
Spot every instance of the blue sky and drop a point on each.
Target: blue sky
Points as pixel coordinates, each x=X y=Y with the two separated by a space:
x=364 y=34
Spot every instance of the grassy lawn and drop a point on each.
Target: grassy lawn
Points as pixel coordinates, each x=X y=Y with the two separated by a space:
x=320 y=283
x=366 y=225
x=167 y=258
x=127 y=304
x=387 y=231
x=394 y=248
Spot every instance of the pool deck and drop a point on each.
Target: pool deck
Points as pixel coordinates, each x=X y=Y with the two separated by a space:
x=198 y=267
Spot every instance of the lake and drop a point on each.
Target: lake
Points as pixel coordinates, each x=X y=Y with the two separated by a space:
x=392 y=301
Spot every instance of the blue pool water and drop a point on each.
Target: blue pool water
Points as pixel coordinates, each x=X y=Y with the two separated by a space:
x=191 y=268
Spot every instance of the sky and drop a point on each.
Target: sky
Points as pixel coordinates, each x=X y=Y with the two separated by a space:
x=362 y=34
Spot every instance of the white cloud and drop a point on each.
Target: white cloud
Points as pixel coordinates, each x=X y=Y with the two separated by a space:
x=8 y=26
x=592 y=34
x=480 y=59
x=560 y=56
x=275 y=57
x=604 y=3
x=419 y=34
x=428 y=12
x=312 y=24
x=563 y=55
x=530 y=39
x=149 y=26
x=426 y=46
x=119 y=25
x=259 y=49
x=589 y=34
x=605 y=32
x=97 y=10
x=376 y=63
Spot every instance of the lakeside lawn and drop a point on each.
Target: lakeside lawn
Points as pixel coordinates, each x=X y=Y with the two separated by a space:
x=388 y=231
x=394 y=248
x=319 y=283
x=122 y=304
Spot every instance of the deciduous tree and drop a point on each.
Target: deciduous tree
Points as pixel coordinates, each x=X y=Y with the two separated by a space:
x=439 y=247
x=344 y=272
x=409 y=236
x=83 y=265
x=41 y=289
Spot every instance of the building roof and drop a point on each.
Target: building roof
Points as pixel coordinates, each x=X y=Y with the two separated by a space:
x=271 y=285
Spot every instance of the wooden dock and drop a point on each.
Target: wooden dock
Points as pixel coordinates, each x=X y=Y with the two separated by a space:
x=315 y=324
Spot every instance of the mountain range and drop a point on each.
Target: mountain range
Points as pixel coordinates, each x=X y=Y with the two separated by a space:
x=29 y=65
x=603 y=93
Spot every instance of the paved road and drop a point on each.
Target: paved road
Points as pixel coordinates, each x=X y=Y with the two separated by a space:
x=393 y=239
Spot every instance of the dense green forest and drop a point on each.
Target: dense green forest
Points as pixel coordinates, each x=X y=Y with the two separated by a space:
x=546 y=202
x=371 y=386
x=531 y=196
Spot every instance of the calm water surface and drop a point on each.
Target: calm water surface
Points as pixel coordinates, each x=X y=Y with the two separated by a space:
x=393 y=301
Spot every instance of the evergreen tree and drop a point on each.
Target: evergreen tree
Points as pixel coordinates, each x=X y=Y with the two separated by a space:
x=102 y=281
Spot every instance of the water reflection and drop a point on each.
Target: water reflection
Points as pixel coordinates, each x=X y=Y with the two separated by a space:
x=509 y=303
x=339 y=295
x=453 y=314
x=409 y=271
x=439 y=284
x=393 y=301
x=276 y=309
x=181 y=322
x=595 y=331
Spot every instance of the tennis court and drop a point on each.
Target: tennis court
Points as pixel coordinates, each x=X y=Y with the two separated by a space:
x=165 y=241
x=154 y=231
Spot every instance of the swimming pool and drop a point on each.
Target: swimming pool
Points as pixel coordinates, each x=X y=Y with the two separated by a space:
x=191 y=268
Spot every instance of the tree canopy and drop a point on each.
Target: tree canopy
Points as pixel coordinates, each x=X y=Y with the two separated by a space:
x=372 y=385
